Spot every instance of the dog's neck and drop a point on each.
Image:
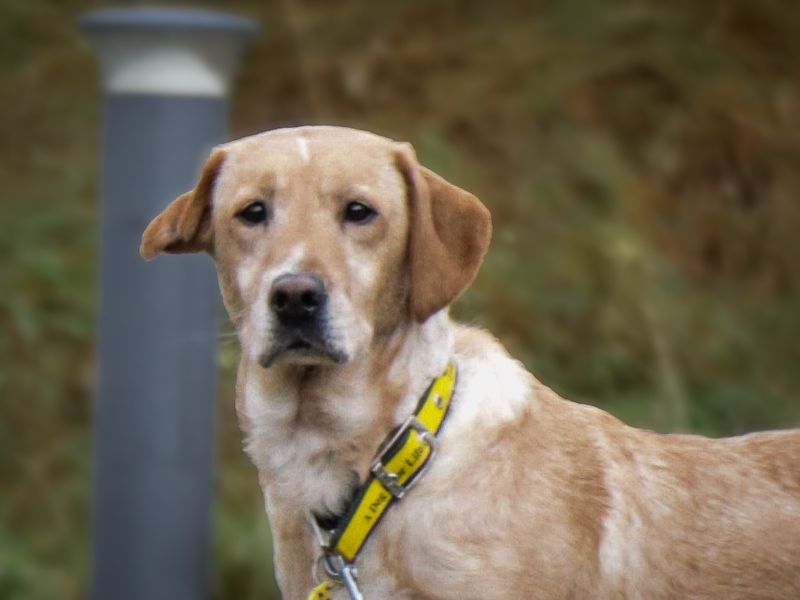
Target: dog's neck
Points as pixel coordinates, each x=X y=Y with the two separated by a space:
x=313 y=431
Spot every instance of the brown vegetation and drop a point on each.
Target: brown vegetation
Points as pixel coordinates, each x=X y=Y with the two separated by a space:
x=641 y=161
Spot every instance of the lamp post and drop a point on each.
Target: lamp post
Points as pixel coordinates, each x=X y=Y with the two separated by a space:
x=166 y=76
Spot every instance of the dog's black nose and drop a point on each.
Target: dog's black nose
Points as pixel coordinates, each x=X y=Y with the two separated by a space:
x=297 y=296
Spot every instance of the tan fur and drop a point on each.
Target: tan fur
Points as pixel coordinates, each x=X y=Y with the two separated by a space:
x=530 y=496
x=449 y=234
x=185 y=225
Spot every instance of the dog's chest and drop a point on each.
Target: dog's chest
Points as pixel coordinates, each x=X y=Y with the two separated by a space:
x=298 y=460
x=303 y=468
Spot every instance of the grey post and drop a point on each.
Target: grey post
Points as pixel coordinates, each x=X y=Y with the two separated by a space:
x=166 y=76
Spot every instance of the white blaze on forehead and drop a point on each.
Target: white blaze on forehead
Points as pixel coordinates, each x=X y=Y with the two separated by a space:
x=302 y=147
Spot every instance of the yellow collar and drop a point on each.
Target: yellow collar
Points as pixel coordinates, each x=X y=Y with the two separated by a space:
x=401 y=461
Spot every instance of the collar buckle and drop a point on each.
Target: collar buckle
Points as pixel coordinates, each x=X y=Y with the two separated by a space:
x=390 y=480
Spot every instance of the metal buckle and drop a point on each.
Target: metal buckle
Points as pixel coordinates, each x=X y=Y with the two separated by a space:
x=390 y=480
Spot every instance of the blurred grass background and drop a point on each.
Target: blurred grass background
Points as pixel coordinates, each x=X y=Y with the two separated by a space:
x=641 y=160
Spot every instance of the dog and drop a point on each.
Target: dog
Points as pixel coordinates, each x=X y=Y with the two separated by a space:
x=338 y=255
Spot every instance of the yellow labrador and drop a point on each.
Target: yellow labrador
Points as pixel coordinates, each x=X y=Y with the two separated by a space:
x=338 y=255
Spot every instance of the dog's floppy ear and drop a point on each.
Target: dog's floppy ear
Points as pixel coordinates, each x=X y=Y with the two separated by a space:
x=449 y=234
x=185 y=225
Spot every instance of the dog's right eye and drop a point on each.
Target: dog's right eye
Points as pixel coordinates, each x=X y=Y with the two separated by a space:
x=359 y=213
x=254 y=214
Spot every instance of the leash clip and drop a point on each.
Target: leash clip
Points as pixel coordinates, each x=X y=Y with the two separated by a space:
x=341 y=572
x=335 y=566
x=390 y=480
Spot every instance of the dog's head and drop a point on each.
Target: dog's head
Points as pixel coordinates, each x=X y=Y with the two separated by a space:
x=323 y=238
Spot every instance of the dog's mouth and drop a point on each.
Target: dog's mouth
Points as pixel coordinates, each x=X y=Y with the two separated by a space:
x=301 y=349
x=299 y=345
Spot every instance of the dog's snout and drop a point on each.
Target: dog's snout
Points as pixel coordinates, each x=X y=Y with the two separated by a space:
x=297 y=295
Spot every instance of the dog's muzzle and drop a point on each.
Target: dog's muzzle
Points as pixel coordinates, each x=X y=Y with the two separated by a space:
x=298 y=302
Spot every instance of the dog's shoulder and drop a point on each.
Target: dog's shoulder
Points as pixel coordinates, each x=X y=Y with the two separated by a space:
x=496 y=389
x=492 y=387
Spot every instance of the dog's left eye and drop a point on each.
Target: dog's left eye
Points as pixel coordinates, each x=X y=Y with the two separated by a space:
x=358 y=212
x=254 y=213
